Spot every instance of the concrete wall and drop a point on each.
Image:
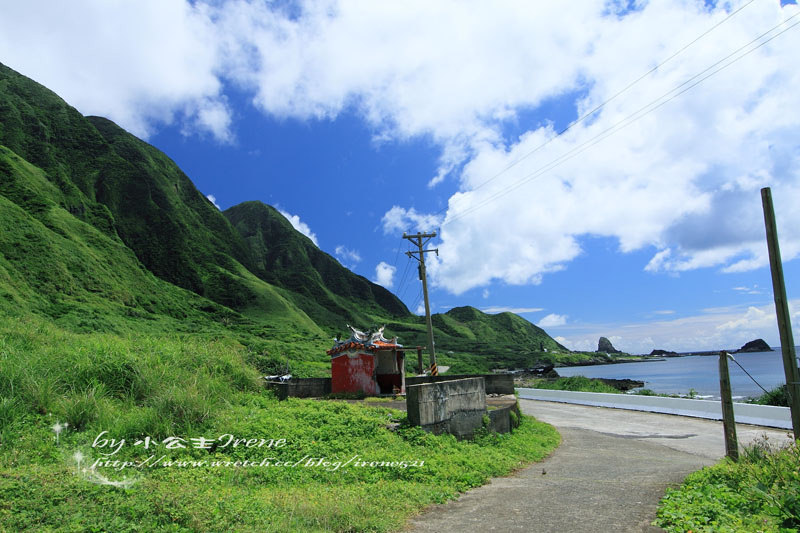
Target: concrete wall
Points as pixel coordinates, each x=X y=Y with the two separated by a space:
x=501 y=420
x=456 y=406
x=301 y=388
x=744 y=413
x=495 y=383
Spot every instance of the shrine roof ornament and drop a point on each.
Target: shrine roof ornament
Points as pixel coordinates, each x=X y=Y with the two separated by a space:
x=369 y=341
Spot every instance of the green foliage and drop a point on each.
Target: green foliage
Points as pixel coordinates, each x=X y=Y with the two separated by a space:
x=777 y=396
x=759 y=493
x=187 y=386
x=574 y=383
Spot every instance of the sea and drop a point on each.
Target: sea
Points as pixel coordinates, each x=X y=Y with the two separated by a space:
x=680 y=375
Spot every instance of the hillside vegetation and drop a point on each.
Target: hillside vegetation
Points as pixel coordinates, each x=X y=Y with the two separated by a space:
x=102 y=232
x=132 y=309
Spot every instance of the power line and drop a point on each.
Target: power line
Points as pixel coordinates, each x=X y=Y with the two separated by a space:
x=604 y=103
x=416 y=301
x=748 y=373
x=401 y=287
x=633 y=117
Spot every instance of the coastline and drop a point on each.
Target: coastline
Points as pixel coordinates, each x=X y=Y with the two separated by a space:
x=593 y=362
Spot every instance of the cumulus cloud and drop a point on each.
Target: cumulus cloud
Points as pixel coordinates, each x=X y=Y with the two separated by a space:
x=346 y=256
x=678 y=177
x=552 y=320
x=300 y=226
x=213 y=200
x=398 y=219
x=142 y=64
x=682 y=180
x=384 y=274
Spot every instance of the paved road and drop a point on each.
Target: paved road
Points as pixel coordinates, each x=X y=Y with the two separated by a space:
x=607 y=476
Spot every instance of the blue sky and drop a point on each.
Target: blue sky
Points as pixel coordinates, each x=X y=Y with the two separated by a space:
x=360 y=120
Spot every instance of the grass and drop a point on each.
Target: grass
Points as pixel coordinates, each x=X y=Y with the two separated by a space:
x=761 y=492
x=191 y=386
x=573 y=383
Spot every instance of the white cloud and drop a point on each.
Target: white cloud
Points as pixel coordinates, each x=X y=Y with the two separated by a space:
x=399 y=219
x=346 y=256
x=300 y=226
x=384 y=274
x=213 y=200
x=682 y=180
x=748 y=290
x=552 y=321
x=142 y=64
x=505 y=309
x=714 y=329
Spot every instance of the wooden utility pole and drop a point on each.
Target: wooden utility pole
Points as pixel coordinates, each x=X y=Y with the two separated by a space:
x=782 y=311
x=420 y=240
x=728 y=422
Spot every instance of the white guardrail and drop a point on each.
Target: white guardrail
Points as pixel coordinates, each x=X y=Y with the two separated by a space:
x=744 y=413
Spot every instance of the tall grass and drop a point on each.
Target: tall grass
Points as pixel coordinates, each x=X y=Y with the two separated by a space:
x=139 y=386
x=83 y=378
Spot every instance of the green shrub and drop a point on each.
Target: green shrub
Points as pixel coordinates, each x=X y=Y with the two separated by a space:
x=759 y=493
x=777 y=396
x=576 y=383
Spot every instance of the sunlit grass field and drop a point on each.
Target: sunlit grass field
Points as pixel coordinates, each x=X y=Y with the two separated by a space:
x=60 y=391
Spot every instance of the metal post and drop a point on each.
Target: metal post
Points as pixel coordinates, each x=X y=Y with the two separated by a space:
x=419 y=360
x=782 y=311
x=728 y=421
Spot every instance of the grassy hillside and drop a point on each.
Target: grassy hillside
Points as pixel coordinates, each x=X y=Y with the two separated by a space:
x=323 y=288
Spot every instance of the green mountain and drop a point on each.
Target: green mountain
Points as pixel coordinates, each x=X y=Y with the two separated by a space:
x=323 y=288
x=99 y=231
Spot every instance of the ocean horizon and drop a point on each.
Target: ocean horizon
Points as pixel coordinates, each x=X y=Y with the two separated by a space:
x=698 y=373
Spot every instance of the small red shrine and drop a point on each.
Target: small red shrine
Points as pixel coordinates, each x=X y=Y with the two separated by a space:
x=368 y=363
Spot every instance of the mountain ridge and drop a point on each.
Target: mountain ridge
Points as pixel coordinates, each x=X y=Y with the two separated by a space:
x=113 y=231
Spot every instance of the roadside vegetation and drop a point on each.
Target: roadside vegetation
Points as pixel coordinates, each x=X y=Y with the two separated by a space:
x=761 y=492
x=61 y=390
x=572 y=383
x=777 y=396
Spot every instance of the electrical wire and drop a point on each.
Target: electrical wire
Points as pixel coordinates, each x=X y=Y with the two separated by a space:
x=416 y=302
x=401 y=287
x=748 y=373
x=630 y=119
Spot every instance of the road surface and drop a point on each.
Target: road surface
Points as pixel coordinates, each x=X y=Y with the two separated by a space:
x=607 y=476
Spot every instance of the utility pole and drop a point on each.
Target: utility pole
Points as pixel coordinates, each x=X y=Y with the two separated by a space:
x=728 y=421
x=782 y=311
x=420 y=240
